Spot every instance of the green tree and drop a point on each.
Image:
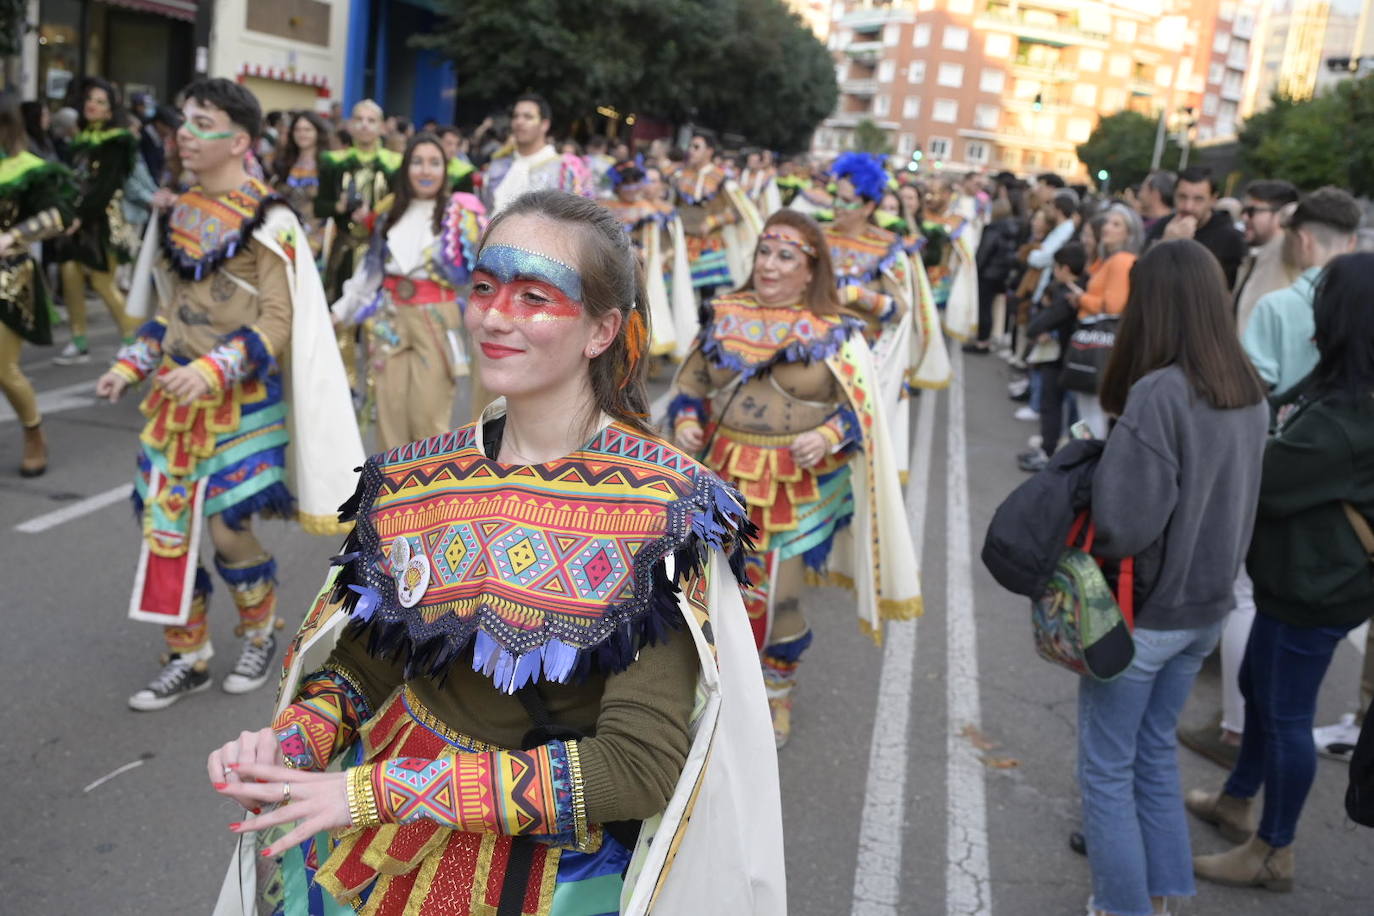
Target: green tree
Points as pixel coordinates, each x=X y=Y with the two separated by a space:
x=742 y=66
x=1325 y=140
x=870 y=138
x=1124 y=145
x=12 y=17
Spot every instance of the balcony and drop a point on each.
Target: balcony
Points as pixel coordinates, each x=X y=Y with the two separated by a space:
x=1062 y=34
x=1056 y=73
x=852 y=119
x=865 y=87
x=865 y=52
x=1142 y=87
x=875 y=16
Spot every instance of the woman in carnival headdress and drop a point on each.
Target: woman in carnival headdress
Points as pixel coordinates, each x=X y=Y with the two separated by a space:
x=541 y=652
x=102 y=154
x=405 y=295
x=36 y=198
x=781 y=396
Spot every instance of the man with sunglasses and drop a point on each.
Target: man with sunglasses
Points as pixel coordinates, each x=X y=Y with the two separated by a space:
x=1264 y=269
x=239 y=307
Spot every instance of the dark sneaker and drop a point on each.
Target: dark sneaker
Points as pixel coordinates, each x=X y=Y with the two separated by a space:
x=179 y=676
x=254 y=666
x=1033 y=461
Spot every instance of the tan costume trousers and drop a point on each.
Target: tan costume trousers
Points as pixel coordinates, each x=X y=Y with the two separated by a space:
x=412 y=375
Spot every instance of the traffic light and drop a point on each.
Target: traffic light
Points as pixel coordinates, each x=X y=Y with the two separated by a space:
x=918 y=155
x=1102 y=175
x=1039 y=102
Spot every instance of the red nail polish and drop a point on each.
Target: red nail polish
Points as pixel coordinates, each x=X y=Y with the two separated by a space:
x=266 y=853
x=220 y=786
x=232 y=766
x=257 y=811
x=236 y=825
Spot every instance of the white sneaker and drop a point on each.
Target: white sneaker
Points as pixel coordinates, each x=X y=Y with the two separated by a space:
x=254 y=665
x=180 y=675
x=72 y=355
x=1337 y=741
x=1027 y=414
x=1035 y=441
x=1017 y=387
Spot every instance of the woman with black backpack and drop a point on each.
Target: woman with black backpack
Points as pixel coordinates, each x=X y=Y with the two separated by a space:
x=1181 y=469
x=1312 y=581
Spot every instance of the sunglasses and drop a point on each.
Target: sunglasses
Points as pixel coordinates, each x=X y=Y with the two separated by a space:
x=1251 y=211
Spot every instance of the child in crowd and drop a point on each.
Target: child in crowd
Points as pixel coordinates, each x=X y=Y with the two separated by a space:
x=1051 y=325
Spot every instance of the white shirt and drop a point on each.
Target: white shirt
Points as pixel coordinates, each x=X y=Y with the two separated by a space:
x=410 y=238
x=517 y=179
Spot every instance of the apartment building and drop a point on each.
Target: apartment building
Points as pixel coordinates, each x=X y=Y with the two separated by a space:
x=1017 y=84
x=1305 y=46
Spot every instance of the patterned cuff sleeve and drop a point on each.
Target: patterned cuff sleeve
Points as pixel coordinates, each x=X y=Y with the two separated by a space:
x=322 y=722
x=841 y=429
x=45 y=225
x=241 y=355
x=135 y=361
x=536 y=793
x=686 y=410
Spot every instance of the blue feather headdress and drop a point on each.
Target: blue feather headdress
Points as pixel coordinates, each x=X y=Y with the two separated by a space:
x=865 y=172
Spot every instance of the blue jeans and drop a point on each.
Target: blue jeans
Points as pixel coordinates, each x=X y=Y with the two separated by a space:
x=1133 y=816
x=1282 y=672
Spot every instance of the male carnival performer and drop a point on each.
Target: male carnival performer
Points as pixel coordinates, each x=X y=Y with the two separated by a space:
x=240 y=299
x=721 y=223
x=759 y=182
x=529 y=162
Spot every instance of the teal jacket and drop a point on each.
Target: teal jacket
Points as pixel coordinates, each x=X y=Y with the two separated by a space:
x=1307 y=564
x=1278 y=338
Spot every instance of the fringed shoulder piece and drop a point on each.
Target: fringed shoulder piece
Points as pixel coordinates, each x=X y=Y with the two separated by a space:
x=465 y=217
x=545 y=572
x=204 y=231
x=741 y=334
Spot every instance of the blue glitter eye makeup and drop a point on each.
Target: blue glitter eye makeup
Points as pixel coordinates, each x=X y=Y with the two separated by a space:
x=508 y=262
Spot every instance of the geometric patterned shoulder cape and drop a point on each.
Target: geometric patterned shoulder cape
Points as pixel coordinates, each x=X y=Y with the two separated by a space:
x=546 y=572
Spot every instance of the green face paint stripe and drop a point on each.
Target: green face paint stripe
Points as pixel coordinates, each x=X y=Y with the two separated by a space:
x=208 y=134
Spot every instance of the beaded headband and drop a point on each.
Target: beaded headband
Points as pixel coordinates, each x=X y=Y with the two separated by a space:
x=788 y=240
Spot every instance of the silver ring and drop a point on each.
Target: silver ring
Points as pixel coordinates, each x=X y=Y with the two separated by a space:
x=286 y=793
x=227 y=772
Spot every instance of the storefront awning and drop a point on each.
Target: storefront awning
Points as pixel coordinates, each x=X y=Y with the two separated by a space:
x=175 y=9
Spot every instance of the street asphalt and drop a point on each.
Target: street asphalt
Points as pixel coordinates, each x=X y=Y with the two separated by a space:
x=961 y=803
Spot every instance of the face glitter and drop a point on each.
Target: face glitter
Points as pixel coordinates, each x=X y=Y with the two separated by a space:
x=525 y=285
x=199 y=134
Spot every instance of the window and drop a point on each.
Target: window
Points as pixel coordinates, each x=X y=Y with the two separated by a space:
x=881 y=105
x=916 y=72
x=976 y=152
x=1226 y=119
x=1125 y=30
x=1080 y=129
x=1222 y=42
x=956 y=38
x=911 y=107
x=1120 y=65
x=920 y=37
x=959 y=6
x=1032 y=159
x=1164 y=76
x=1085 y=94
x=906 y=143
x=992 y=80
x=1233 y=86
x=1090 y=59
x=951 y=75
x=1238 y=58
x=946 y=111
x=891 y=32
x=1113 y=100
x=842 y=72
x=985 y=117
x=885 y=69
x=1066 y=164
x=1044 y=126
x=998 y=45
x=1216 y=72
x=939 y=147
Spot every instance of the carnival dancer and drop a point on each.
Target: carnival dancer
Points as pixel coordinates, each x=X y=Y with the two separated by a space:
x=656 y=233
x=720 y=221
x=239 y=299
x=102 y=155
x=405 y=295
x=759 y=181
x=36 y=197
x=870 y=263
x=528 y=162
x=351 y=183
x=956 y=290
x=296 y=173
x=781 y=397
x=541 y=651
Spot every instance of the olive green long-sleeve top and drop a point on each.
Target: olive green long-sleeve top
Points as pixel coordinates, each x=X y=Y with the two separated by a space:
x=636 y=721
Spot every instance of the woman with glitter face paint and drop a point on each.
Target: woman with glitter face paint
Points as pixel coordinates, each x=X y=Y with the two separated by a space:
x=780 y=397
x=532 y=656
x=406 y=296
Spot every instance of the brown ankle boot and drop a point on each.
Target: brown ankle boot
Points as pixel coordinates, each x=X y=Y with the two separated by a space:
x=1230 y=815
x=35 y=460
x=1252 y=864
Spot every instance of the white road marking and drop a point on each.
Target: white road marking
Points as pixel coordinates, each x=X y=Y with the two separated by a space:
x=112 y=774
x=56 y=400
x=75 y=510
x=968 y=891
x=878 y=872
